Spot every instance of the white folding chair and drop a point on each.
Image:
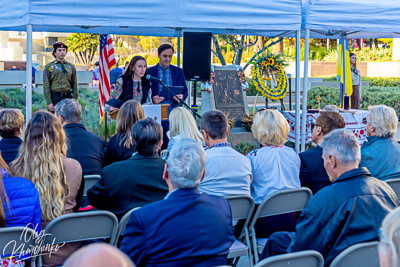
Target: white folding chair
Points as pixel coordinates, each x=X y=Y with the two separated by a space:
x=280 y=202
x=307 y=258
x=79 y=227
x=122 y=224
x=13 y=239
x=362 y=254
x=90 y=180
x=242 y=208
x=395 y=185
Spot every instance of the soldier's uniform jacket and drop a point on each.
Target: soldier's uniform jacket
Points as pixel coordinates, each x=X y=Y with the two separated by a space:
x=59 y=77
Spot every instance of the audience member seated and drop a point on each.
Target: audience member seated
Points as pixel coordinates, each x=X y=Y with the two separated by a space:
x=187 y=228
x=83 y=146
x=312 y=172
x=19 y=206
x=98 y=255
x=227 y=171
x=348 y=212
x=381 y=154
x=43 y=161
x=119 y=147
x=389 y=244
x=275 y=167
x=137 y=181
x=182 y=125
x=11 y=125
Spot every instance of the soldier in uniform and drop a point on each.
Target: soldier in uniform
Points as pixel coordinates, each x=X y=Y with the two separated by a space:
x=59 y=78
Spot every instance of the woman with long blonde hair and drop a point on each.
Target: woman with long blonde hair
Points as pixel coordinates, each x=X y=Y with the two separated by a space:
x=182 y=125
x=119 y=147
x=42 y=160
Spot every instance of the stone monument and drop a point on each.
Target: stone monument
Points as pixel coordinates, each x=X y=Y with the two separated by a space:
x=227 y=95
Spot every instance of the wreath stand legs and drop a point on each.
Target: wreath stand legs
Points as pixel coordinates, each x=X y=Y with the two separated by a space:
x=282 y=105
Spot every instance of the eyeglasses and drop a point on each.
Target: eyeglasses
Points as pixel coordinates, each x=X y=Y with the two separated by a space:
x=364 y=120
x=313 y=125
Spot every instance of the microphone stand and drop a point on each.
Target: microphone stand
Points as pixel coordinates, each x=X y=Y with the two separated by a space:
x=179 y=100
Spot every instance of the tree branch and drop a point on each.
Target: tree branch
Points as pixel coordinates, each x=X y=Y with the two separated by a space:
x=262 y=50
x=218 y=51
x=251 y=44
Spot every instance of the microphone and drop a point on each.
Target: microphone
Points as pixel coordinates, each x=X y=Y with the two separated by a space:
x=149 y=77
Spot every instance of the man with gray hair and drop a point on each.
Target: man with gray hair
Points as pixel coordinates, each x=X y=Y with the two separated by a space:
x=83 y=146
x=187 y=228
x=348 y=212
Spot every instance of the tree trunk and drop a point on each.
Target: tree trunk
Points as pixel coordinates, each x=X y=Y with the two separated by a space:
x=76 y=56
x=281 y=46
x=238 y=58
x=376 y=42
x=371 y=41
x=260 y=44
x=218 y=51
x=82 y=58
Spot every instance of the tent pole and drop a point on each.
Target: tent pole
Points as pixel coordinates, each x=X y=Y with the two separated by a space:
x=344 y=66
x=297 y=101
x=305 y=89
x=179 y=47
x=28 y=73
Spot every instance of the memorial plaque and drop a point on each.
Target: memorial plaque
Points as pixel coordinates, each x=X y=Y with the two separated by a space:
x=228 y=94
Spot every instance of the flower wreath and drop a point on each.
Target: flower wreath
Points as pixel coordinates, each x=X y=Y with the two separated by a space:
x=207 y=86
x=268 y=67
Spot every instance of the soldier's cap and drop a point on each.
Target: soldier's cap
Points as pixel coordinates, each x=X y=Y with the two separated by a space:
x=57 y=45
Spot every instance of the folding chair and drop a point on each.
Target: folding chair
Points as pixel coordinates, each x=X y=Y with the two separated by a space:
x=90 y=180
x=363 y=254
x=80 y=226
x=242 y=208
x=19 y=238
x=307 y=258
x=122 y=224
x=395 y=185
x=280 y=202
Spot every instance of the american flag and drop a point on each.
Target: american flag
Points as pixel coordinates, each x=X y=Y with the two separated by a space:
x=106 y=63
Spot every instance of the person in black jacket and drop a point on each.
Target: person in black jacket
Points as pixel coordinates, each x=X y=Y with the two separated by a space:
x=83 y=146
x=133 y=85
x=348 y=212
x=11 y=124
x=312 y=171
x=119 y=147
x=137 y=181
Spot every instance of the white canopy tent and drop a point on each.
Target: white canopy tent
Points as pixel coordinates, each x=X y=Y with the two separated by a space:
x=152 y=18
x=345 y=19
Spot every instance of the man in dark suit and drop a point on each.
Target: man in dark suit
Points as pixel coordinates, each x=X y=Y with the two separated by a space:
x=312 y=172
x=172 y=76
x=134 y=182
x=187 y=228
x=83 y=146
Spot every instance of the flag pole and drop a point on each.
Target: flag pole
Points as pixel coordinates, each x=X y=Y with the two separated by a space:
x=344 y=66
x=105 y=129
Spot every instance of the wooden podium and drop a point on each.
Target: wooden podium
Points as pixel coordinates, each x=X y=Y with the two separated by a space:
x=164 y=113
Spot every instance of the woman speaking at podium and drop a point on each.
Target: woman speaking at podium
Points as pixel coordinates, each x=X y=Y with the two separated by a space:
x=133 y=85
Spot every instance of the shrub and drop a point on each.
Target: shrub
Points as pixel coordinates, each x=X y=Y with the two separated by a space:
x=244 y=147
x=373 y=81
x=374 y=95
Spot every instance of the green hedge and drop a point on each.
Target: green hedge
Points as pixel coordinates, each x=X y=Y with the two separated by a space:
x=374 y=95
x=373 y=81
x=15 y=98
